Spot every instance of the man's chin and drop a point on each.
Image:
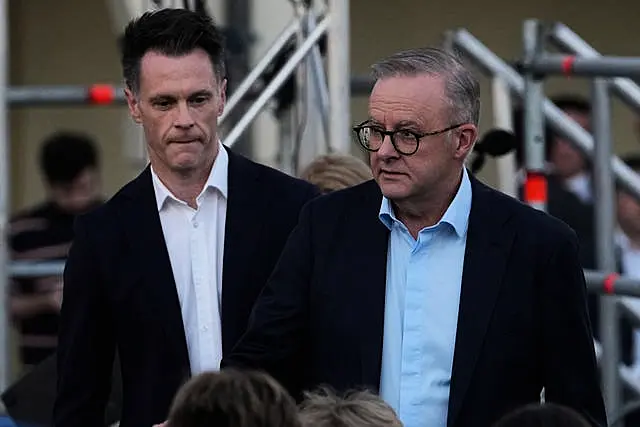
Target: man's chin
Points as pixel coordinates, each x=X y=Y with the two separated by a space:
x=393 y=191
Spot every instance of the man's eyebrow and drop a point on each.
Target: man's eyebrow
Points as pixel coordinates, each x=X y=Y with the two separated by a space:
x=203 y=92
x=161 y=97
x=171 y=97
x=407 y=123
x=398 y=125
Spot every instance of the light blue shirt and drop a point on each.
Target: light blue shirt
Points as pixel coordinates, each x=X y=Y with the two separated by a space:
x=421 y=311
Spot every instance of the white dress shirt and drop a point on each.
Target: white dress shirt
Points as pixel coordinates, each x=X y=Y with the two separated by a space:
x=195 y=242
x=580 y=185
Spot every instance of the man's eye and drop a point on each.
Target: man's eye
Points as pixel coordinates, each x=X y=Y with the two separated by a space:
x=199 y=100
x=162 y=104
x=405 y=134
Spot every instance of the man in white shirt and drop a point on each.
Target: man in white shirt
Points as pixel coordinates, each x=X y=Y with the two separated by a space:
x=167 y=272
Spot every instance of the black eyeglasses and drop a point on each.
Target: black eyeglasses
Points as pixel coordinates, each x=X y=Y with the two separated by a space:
x=405 y=141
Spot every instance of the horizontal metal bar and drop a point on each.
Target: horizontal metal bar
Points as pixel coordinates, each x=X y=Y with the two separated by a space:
x=603 y=66
x=567 y=40
x=612 y=284
x=79 y=95
x=22 y=96
x=35 y=269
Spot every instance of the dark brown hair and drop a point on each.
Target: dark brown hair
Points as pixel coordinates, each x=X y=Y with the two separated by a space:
x=233 y=398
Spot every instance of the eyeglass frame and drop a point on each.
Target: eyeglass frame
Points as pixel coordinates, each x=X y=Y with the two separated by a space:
x=391 y=134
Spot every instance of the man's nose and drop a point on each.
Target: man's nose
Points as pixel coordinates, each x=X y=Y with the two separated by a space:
x=387 y=150
x=184 y=118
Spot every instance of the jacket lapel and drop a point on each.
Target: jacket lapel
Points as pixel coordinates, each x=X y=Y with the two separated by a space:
x=245 y=208
x=144 y=231
x=487 y=249
x=371 y=266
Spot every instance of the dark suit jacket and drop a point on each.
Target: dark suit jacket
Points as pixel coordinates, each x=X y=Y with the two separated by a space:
x=120 y=293
x=523 y=321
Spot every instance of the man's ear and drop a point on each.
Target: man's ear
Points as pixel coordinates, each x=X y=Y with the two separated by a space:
x=223 y=96
x=133 y=104
x=467 y=135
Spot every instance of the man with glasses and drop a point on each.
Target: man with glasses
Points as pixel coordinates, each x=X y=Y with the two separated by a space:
x=453 y=301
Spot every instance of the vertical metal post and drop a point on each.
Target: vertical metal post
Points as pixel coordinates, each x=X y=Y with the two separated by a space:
x=502 y=118
x=319 y=80
x=5 y=354
x=301 y=104
x=605 y=230
x=338 y=51
x=535 y=190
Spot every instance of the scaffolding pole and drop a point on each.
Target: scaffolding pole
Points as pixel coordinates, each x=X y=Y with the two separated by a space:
x=565 y=39
x=97 y=94
x=250 y=80
x=604 y=66
x=605 y=249
x=558 y=120
x=535 y=187
x=338 y=58
x=502 y=119
x=5 y=355
x=612 y=283
x=277 y=82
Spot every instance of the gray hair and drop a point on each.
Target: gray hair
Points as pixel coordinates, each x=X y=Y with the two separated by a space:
x=324 y=408
x=461 y=87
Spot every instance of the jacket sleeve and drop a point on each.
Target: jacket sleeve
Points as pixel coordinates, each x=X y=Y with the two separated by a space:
x=570 y=368
x=86 y=344
x=277 y=324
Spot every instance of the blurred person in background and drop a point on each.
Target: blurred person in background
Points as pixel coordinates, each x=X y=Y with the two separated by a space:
x=628 y=257
x=324 y=408
x=568 y=163
x=70 y=167
x=332 y=172
x=628 y=247
x=233 y=399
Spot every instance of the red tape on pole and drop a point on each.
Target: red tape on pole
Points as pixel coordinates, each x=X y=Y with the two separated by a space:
x=567 y=65
x=102 y=94
x=610 y=283
x=535 y=188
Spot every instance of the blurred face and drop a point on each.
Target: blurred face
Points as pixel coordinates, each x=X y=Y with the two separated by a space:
x=80 y=194
x=178 y=105
x=416 y=104
x=567 y=160
x=629 y=214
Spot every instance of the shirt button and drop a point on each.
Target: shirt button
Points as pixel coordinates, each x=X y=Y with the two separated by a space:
x=205 y=328
x=195 y=224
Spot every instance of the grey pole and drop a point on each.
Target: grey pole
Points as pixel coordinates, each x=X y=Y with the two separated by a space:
x=277 y=82
x=606 y=283
x=605 y=230
x=558 y=121
x=4 y=200
x=604 y=66
x=533 y=119
x=569 y=41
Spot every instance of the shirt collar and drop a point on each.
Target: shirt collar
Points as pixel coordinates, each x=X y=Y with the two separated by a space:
x=218 y=180
x=456 y=215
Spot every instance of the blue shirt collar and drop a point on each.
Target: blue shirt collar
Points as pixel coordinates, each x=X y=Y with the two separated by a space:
x=456 y=215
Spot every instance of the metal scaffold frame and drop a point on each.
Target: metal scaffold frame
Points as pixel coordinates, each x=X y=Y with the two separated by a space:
x=535 y=66
x=333 y=88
